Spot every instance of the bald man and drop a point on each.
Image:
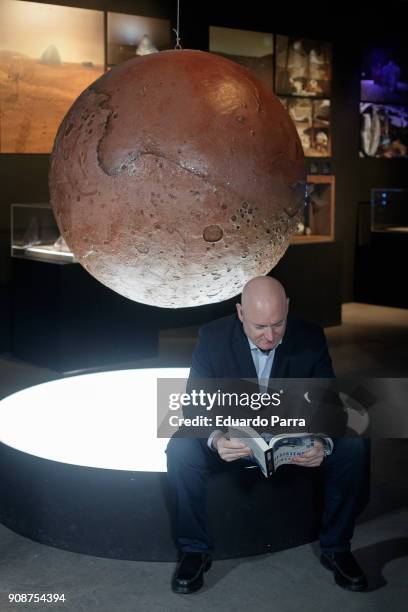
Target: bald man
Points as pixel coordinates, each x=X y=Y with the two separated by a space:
x=262 y=341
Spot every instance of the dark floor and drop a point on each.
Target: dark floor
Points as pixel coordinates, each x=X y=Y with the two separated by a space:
x=373 y=341
x=283 y=582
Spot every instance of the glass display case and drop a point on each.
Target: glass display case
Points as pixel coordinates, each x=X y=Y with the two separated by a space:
x=389 y=210
x=35 y=234
x=317 y=224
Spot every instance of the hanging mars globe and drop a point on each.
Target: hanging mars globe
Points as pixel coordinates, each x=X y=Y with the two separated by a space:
x=176 y=177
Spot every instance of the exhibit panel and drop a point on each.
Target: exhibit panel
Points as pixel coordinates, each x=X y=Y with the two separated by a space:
x=49 y=55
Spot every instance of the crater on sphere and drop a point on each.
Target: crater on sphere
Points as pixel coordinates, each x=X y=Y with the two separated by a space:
x=213 y=233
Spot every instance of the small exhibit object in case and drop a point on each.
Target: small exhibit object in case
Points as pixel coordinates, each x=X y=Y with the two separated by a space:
x=389 y=210
x=35 y=234
x=317 y=224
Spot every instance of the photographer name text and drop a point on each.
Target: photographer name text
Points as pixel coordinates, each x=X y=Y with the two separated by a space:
x=228 y=421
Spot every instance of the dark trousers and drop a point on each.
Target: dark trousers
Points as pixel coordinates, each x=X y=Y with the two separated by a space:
x=190 y=463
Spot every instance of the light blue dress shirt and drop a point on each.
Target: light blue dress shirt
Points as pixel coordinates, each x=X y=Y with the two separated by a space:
x=263 y=363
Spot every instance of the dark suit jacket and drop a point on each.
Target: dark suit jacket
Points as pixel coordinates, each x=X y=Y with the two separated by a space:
x=222 y=351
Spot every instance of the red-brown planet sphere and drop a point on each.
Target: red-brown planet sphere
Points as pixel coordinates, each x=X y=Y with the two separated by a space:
x=176 y=177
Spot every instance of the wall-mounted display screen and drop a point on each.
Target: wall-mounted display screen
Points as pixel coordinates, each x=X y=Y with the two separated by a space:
x=48 y=55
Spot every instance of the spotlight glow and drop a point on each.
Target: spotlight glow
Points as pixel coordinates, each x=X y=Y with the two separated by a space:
x=104 y=420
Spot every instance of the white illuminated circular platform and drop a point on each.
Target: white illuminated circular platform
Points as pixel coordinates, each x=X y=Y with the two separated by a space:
x=82 y=468
x=102 y=420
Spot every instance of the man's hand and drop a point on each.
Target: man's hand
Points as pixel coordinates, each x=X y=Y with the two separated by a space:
x=312 y=458
x=230 y=450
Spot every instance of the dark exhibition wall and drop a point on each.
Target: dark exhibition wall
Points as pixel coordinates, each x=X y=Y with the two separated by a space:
x=318 y=276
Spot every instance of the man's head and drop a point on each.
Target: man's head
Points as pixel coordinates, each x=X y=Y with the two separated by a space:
x=263 y=311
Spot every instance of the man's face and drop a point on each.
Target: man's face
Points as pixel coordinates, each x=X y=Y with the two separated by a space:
x=264 y=326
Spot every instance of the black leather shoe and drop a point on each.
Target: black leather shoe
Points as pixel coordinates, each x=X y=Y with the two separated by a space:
x=188 y=576
x=347 y=572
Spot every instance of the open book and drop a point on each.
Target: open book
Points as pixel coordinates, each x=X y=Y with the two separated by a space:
x=278 y=450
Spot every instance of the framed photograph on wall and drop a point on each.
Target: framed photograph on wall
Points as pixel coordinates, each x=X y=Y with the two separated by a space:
x=312 y=122
x=303 y=67
x=383 y=130
x=384 y=75
x=49 y=55
x=253 y=50
x=131 y=35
